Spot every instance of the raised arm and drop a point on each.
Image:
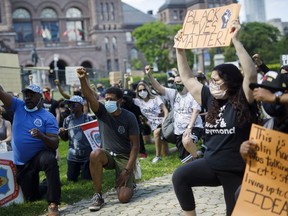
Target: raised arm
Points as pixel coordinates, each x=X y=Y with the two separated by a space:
x=156 y=85
x=5 y=98
x=248 y=67
x=61 y=90
x=88 y=93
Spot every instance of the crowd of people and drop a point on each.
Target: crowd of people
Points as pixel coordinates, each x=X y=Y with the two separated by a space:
x=218 y=112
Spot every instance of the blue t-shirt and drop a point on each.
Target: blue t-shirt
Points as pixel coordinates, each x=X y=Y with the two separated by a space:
x=24 y=145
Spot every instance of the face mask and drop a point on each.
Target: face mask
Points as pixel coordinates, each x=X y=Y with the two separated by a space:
x=143 y=94
x=47 y=96
x=216 y=92
x=179 y=87
x=170 y=85
x=274 y=110
x=111 y=106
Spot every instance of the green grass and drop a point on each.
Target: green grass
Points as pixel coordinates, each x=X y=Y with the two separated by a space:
x=83 y=189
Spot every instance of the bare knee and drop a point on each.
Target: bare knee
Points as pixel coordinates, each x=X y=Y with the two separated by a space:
x=124 y=194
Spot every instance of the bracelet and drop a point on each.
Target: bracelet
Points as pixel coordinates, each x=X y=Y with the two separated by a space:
x=189 y=127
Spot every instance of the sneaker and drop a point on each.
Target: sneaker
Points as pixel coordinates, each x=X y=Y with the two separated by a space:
x=156 y=159
x=97 y=202
x=53 y=210
x=143 y=155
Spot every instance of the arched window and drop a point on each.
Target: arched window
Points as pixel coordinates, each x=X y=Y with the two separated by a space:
x=22 y=25
x=112 y=11
x=49 y=25
x=106 y=40
x=74 y=25
x=114 y=43
x=133 y=54
x=128 y=37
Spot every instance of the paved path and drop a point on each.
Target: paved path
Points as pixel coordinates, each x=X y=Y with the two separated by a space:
x=153 y=197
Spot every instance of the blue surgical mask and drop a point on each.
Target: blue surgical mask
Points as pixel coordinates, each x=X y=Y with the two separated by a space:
x=111 y=106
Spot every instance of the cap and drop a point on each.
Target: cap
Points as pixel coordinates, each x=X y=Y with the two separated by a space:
x=75 y=99
x=128 y=93
x=171 y=79
x=273 y=81
x=34 y=88
x=99 y=85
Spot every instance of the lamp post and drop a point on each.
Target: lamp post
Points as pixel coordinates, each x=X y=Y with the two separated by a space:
x=56 y=58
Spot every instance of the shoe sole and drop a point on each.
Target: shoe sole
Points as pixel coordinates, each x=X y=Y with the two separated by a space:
x=93 y=209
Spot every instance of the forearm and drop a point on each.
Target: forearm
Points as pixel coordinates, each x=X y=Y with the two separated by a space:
x=156 y=85
x=50 y=141
x=133 y=156
x=183 y=67
x=194 y=115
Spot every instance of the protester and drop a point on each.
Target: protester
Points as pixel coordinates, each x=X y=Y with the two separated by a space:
x=50 y=104
x=63 y=110
x=34 y=144
x=5 y=130
x=76 y=91
x=153 y=108
x=79 y=147
x=187 y=121
x=128 y=104
x=231 y=111
x=120 y=142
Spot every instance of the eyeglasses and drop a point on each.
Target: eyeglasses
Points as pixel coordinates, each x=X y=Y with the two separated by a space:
x=140 y=90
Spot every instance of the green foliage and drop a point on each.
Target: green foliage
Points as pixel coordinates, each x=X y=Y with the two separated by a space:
x=83 y=189
x=261 y=38
x=155 y=41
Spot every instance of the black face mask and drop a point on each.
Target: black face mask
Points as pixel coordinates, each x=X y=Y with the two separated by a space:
x=78 y=93
x=179 y=87
x=274 y=110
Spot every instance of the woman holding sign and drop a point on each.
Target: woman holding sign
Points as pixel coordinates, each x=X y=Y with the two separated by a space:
x=231 y=111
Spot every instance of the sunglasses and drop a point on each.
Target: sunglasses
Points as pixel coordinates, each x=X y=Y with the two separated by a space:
x=140 y=90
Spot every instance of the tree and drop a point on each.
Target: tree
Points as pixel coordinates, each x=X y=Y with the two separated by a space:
x=261 y=38
x=155 y=41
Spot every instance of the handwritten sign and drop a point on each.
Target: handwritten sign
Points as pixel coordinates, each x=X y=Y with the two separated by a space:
x=208 y=27
x=265 y=184
x=284 y=60
x=71 y=76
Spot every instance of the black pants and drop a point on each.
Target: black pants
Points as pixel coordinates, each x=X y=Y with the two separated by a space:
x=198 y=173
x=74 y=169
x=28 y=177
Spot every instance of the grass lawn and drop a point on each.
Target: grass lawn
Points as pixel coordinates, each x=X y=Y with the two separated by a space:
x=74 y=192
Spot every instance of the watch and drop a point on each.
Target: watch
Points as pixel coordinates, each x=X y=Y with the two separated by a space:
x=278 y=94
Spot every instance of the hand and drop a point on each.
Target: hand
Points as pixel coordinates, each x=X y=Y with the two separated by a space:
x=235 y=29
x=81 y=72
x=61 y=130
x=248 y=148
x=147 y=69
x=122 y=178
x=257 y=60
x=265 y=95
x=35 y=133
x=178 y=36
x=56 y=81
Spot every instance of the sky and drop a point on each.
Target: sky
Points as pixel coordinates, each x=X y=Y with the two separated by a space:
x=274 y=8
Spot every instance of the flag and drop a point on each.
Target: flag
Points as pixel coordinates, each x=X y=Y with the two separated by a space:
x=46 y=34
x=79 y=31
x=91 y=131
x=39 y=30
x=66 y=32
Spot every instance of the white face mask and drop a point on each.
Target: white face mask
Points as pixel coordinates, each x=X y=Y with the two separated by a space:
x=143 y=94
x=216 y=91
x=34 y=108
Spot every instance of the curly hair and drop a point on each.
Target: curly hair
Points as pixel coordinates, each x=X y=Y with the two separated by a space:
x=114 y=90
x=147 y=87
x=233 y=79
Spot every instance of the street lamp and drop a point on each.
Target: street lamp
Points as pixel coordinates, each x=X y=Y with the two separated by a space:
x=56 y=58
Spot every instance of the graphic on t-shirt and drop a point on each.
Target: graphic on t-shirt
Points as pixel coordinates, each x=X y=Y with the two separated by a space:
x=38 y=122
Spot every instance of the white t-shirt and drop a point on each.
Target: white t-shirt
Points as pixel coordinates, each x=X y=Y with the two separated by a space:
x=183 y=106
x=151 y=110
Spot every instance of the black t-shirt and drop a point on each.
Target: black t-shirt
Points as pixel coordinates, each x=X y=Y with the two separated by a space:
x=223 y=139
x=50 y=106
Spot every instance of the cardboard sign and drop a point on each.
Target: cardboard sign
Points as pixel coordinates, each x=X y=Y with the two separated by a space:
x=264 y=188
x=10 y=191
x=208 y=27
x=71 y=76
x=284 y=60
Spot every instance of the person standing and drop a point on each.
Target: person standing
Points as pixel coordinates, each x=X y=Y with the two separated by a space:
x=231 y=110
x=120 y=142
x=5 y=130
x=34 y=144
x=79 y=147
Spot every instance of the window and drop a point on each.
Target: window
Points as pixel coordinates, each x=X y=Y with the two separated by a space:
x=114 y=43
x=109 y=65
x=101 y=11
x=22 y=25
x=175 y=15
x=181 y=15
x=112 y=11
x=128 y=37
x=133 y=54
x=106 y=43
x=49 y=25
x=74 y=25
x=116 y=62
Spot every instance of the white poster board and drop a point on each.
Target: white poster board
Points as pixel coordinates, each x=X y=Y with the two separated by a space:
x=71 y=76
